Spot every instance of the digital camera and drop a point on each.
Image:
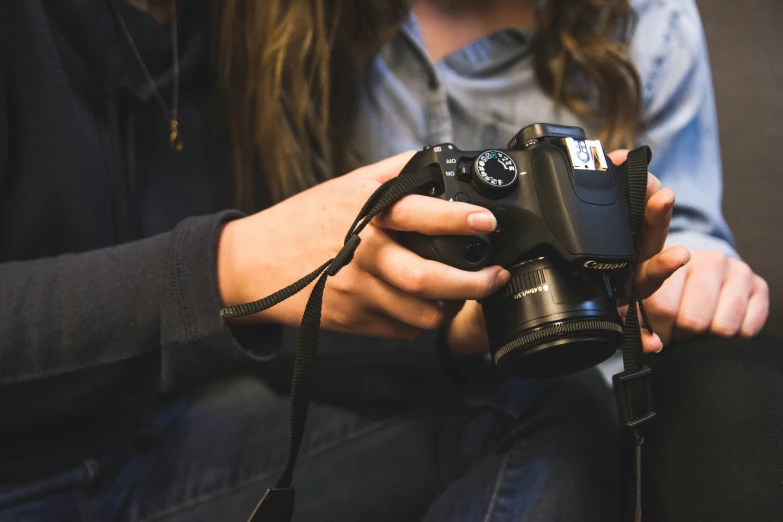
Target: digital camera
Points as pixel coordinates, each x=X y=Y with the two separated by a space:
x=564 y=234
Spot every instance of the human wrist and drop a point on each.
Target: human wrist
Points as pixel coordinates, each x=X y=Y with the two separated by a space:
x=228 y=279
x=240 y=259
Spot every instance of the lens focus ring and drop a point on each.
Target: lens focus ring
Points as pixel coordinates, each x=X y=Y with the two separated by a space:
x=561 y=330
x=526 y=281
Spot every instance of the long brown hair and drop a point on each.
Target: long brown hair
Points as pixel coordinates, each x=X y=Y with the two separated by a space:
x=288 y=72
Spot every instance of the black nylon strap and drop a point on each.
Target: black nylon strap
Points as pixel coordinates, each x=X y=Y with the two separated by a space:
x=632 y=386
x=277 y=503
x=635 y=187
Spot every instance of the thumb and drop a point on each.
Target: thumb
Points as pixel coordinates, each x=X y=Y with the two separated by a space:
x=619 y=156
x=389 y=168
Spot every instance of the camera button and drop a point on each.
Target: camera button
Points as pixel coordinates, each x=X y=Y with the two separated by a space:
x=464 y=174
x=475 y=252
x=462 y=197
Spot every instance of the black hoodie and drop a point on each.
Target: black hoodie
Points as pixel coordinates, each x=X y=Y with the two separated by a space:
x=108 y=293
x=108 y=285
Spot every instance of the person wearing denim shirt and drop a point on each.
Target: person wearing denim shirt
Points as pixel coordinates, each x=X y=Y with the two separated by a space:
x=480 y=95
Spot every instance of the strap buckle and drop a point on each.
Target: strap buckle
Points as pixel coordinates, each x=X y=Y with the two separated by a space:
x=633 y=391
x=344 y=256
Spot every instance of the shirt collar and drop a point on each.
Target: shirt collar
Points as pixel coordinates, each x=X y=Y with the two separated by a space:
x=481 y=56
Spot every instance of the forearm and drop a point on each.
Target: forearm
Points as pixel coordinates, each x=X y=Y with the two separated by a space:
x=78 y=311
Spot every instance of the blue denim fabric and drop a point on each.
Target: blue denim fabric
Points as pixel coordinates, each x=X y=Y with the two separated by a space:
x=523 y=451
x=481 y=95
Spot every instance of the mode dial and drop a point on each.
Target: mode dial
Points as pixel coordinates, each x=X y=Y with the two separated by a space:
x=496 y=174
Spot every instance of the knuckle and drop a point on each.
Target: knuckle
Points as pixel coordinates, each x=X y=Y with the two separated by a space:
x=398 y=214
x=692 y=323
x=743 y=270
x=753 y=325
x=762 y=287
x=736 y=306
x=725 y=328
x=431 y=317
x=661 y=307
x=760 y=317
x=748 y=332
x=716 y=258
x=414 y=279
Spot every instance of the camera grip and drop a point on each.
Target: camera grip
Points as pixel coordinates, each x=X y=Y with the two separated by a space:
x=464 y=252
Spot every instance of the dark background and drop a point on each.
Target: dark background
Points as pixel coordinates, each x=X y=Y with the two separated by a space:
x=745 y=40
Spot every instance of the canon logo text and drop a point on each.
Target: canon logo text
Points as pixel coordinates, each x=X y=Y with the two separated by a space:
x=604 y=266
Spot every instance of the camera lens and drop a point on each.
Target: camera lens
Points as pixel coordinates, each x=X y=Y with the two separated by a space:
x=548 y=321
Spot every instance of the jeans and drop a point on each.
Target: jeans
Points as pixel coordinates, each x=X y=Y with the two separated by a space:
x=522 y=451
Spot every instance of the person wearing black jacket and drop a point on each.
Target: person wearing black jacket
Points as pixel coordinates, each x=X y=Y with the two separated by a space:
x=125 y=396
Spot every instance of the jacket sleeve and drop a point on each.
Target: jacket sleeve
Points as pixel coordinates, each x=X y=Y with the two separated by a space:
x=3 y=115
x=80 y=311
x=679 y=120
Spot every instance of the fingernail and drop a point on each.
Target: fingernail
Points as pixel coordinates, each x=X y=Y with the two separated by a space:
x=661 y=344
x=482 y=221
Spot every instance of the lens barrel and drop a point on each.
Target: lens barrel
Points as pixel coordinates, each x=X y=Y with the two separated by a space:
x=549 y=322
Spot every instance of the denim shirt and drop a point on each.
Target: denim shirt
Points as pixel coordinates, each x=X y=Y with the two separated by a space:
x=480 y=96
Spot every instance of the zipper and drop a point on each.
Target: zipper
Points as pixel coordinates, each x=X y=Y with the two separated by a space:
x=118 y=183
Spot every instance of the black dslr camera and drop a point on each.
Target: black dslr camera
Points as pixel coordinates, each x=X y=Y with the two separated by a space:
x=564 y=233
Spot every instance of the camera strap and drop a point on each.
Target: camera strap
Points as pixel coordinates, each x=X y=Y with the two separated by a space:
x=631 y=387
x=277 y=504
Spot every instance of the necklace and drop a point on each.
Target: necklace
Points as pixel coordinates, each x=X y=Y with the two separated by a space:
x=175 y=140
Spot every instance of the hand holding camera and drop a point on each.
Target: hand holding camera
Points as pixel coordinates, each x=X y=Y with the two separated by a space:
x=554 y=213
x=387 y=291
x=467 y=333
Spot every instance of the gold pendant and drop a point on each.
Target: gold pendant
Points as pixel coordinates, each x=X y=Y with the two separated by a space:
x=175 y=141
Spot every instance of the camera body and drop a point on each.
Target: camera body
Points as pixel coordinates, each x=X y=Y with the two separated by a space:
x=563 y=232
